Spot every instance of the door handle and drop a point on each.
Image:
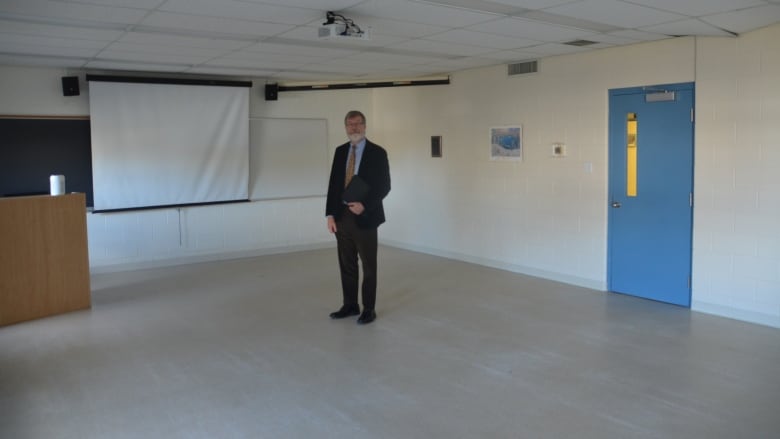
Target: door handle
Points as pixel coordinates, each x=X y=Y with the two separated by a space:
x=616 y=204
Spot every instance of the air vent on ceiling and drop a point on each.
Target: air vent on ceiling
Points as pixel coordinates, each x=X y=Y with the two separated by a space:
x=580 y=43
x=522 y=68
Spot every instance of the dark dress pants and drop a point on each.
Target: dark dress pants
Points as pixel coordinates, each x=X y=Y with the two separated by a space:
x=353 y=243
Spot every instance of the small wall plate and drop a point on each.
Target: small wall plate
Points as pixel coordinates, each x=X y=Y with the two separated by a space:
x=435 y=146
x=558 y=150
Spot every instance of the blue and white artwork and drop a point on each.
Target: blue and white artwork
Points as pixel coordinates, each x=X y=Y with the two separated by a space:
x=506 y=143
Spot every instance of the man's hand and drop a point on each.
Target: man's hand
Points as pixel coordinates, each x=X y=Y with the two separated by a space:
x=357 y=207
x=331 y=224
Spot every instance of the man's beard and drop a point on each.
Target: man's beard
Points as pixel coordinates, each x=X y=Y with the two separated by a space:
x=355 y=137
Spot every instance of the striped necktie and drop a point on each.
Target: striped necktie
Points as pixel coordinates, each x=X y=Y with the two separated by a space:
x=350 y=166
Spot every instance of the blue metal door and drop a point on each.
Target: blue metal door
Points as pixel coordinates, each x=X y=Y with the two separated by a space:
x=651 y=192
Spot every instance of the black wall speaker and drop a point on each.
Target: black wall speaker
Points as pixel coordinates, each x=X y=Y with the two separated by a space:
x=271 y=92
x=70 y=85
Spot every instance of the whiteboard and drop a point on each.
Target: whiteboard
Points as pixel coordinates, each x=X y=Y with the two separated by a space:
x=288 y=158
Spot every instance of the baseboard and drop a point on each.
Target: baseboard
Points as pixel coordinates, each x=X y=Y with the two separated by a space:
x=535 y=272
x=194 y=259
x=736 y=314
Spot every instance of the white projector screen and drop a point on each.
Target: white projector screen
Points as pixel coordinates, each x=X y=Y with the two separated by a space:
x=157 y=145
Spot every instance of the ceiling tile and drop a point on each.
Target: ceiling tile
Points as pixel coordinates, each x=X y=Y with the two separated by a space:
x=297 y=49
x=195 y=53
x=243 y=11
x=532 y=4
x=746 y=19
x=529 y=29
x=7 y=47
x=462 y=63
x=482 y=39
x=395 y=27
x=616 y=13
x=511 y=55
x=439 y=47
x=272 y=64
x=420 y=13
x=56 y=10
x=550 y=49
x=488 y=6
x=201 y=25
x=132 y=66
x=699 y=7
x=32 y=40
x=308 y=33
x=162 y=57
x=322 y=5
x=687 y=27
x=391 y=58
x=137 y=4
x=48 y=30
x=637 y=35
x=267 y=58
x=570 y=22
x=344 y=67
x=613 y=39
x=158 y=39
x=361 y=65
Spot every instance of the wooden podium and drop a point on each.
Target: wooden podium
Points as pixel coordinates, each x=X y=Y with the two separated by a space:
x=44 y=265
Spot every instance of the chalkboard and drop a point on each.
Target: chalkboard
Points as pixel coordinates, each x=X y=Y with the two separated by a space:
x=32 y=149
x=288 y=158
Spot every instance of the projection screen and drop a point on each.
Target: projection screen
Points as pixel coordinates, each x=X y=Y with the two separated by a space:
x=157 y=145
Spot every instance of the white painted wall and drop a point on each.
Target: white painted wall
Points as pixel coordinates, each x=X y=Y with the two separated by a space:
x=38 y=91
x=548 y=216
x=543 y=216
x=736 y=254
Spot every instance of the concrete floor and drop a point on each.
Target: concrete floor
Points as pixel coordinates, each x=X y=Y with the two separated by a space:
x=245 y=349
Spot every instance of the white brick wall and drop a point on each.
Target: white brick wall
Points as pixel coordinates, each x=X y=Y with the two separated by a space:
x=544 y=216
x=736 y=266
x=547 y=216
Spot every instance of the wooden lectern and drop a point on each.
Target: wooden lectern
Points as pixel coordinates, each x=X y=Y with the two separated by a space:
x=44 y=265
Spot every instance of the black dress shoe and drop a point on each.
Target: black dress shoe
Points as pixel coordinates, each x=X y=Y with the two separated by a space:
x=368 y=316
x=345 y=311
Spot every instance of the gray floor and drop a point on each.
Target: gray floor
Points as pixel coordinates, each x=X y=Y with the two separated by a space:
x=244 y=349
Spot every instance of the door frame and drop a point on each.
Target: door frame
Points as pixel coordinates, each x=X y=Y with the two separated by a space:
x=618 y=143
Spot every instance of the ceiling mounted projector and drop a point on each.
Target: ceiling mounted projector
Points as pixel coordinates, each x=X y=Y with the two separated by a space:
x=339 y=27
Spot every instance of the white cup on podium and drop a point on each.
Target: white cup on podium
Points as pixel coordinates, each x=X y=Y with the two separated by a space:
x=57 y=184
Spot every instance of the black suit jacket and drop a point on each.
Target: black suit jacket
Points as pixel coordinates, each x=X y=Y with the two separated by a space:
x=375 y=170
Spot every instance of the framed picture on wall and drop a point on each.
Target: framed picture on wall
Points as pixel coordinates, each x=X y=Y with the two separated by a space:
x=506 y=143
